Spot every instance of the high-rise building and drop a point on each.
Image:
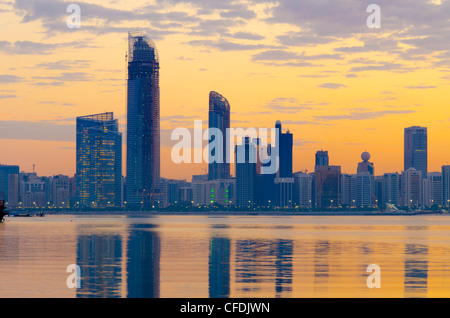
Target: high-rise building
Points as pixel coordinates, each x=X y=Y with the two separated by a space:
x=363 y=189
x=219 y=118
x=284 y=192
x=391 y=188
x=365 y=166
x=322 y=158
x=246 y=174
x=328 y=186
x=446 y=185
x=5 y=171
x=411 y=188
x=347 y=196
x=143 y=121
x=416 y=149
x=379 y=195
x=13 y=190
x=60 y=190
x=199 y=189
x=432 y=190
x=285 y=145
x=303 y=189
x=99 y=161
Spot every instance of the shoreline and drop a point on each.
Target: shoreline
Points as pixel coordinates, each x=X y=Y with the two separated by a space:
x=227 y=213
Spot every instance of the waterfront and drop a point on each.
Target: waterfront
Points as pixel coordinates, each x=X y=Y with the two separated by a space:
x=225 y=256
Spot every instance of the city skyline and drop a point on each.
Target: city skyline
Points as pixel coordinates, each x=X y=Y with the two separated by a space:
x=346 y=90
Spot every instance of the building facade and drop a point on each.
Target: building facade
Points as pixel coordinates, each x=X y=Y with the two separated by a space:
x=219 y=118
x=143 y=121
x=416 y=149
x=99 y=161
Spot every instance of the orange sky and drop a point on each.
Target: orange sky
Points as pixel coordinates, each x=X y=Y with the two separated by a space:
x=336 y=84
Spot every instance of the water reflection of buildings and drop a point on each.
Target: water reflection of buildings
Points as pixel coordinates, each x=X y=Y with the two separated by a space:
x=100 y=261
x=118 y=262
x=173 y=260
x=263 y=267
x=219 y=267
x=143 y=258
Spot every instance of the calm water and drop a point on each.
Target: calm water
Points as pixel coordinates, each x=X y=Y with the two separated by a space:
x=235 y=256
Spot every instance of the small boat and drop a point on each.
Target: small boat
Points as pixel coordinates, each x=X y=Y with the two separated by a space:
x=2 y=211
x=23 y=215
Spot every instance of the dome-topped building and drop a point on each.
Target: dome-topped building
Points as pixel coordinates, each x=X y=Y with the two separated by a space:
x=365 y=166
x=365 y=156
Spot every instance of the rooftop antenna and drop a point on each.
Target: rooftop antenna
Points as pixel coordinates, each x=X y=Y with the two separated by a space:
x=34 y=166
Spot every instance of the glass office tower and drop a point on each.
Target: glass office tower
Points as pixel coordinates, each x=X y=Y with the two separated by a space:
x=99 y=161
x=143 y=121
x=219 y=117
x=416 y=149
x=286 y=142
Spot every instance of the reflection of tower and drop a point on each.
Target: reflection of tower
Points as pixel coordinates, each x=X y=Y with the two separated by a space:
x=262 y=263
x=321 y=264
x=143 y=262
x=143 y=121
x=219 y=117
x=283 y=265
x=100 y=261
x=219 y=268
x=416 y=270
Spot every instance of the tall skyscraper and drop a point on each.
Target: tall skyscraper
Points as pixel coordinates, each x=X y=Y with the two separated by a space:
x=99 y=161
x=143 y=121
x=5 y=171
x=285 y=145
x=219 y=117
x=446 y=185
x=416 y=149
x=322 y=158
x=246 y=174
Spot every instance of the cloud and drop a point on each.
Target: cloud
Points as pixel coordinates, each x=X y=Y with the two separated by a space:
x=48 y=84
x=388 y=66
x=291 y=105
x=7 y=78
x=36 y=131
x=224 y=45
x=58 y=103
x=5 y=96
x=293 y=39
x=246 y=36
x=303 y=122
x=37 y=48
x=332 y=85
x=363 y=115
x=420 y=87
x=67 y=77
x=64 y=64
